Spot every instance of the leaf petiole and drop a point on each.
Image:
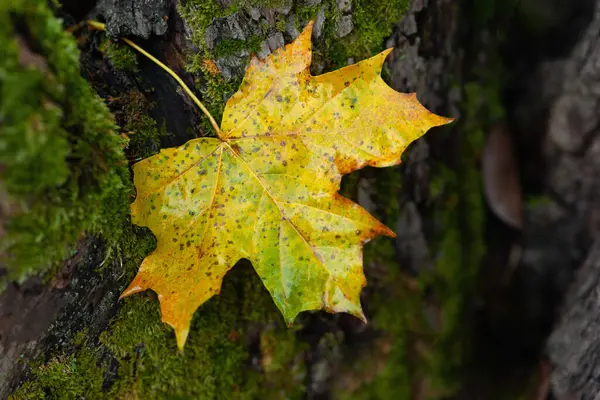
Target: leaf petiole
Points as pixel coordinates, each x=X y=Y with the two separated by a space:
x=101 y=27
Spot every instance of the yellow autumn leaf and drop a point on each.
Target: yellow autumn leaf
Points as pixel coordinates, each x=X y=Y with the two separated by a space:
x=266 y=189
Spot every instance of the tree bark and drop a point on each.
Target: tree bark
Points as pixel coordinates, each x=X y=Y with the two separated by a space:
x=572 y=146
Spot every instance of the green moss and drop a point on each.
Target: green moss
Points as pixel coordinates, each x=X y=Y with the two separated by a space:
x=142 y=131
x=461 y=246
x=373 y=23
x=280 y=23
x=264 y=3
x=198 y=14
x=66 y=377
x=63 y=168
x=215 y=91
x=534 y=201
x=120 y=55
x=232 y=46
x=388 y=374
x=282 y=363
x=213 y=365
x=305 y=12
x=395 y=310
x=213 y=362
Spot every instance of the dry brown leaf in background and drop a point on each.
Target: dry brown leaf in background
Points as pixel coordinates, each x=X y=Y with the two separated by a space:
x=501 y=177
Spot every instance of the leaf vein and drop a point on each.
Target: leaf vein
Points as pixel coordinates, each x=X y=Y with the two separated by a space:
x=210 y=206
x=255 y=175
x=162 y=186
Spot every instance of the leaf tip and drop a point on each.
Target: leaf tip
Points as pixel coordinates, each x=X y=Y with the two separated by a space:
x=356 y=312
x=388 y=232
x=379 y=59
x=181 y=335
x=431 y=119
x=309 y=26
x=445 y=120
x=133 y=288
x=380 y=229
x=289 y=318
x=361 y=316
x=304 y=39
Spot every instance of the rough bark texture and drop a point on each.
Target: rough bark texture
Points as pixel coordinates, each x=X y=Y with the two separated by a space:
x=573 y=346
x=37 y=318
x=459 y=297
x=573 y=147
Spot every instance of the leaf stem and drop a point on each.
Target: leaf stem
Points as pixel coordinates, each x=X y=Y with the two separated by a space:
x=100 y=26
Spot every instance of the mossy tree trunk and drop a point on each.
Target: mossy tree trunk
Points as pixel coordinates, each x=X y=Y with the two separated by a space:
x=65 y=335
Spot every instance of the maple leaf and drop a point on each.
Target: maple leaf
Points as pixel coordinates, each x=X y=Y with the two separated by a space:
x=267 y=188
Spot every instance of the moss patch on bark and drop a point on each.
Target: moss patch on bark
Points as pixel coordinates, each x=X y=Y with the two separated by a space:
x=62 y=168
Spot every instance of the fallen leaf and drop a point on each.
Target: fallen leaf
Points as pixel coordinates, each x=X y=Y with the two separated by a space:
x=501 y=177
x=267 y=188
